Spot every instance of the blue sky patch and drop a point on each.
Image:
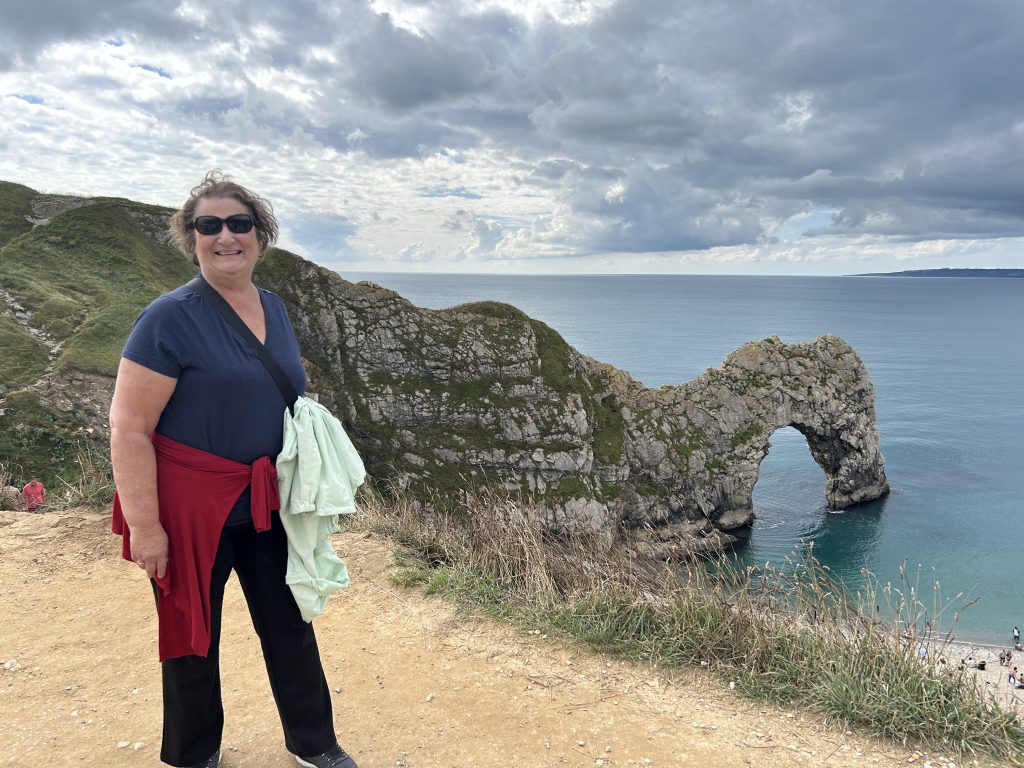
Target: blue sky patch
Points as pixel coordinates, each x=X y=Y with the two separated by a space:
x=156 y=70
x=798 y=226
x=442 y=191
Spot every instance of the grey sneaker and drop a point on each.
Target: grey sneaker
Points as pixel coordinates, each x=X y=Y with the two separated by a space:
x=211 y=762
x=335 y=757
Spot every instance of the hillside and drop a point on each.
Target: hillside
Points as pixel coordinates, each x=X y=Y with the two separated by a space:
x=84 y=272
x=72 y=281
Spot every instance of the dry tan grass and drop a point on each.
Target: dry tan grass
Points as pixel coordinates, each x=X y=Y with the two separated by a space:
x=790 y=634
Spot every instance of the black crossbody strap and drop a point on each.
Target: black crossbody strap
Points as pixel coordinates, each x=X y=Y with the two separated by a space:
x=203 y=288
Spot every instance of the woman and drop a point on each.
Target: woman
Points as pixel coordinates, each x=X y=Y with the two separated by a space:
x=194 y=418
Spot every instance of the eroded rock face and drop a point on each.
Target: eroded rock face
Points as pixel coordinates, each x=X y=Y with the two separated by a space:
x=442 y=401
x=44 y=208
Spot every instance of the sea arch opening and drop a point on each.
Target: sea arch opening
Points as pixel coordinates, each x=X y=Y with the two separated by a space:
x=792 y=512
x=787 y=496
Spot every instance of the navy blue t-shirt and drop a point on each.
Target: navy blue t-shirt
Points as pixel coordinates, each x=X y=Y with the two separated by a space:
x=225 y=401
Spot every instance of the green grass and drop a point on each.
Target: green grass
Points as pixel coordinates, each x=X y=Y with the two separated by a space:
x=554 y=359
x=15 y=205
x=87 y=273
x=23 y=358
x=745 y=434
x=84 y=276
x=91 y=481
x=59 y=317
x=495 y=309
x=609 y=431
x=792 y=635
x=51 y=446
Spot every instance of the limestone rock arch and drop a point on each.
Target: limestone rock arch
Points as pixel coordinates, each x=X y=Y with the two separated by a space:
x=820 y=388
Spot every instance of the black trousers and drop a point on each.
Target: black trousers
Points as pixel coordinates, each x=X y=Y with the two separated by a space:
x=193 y=713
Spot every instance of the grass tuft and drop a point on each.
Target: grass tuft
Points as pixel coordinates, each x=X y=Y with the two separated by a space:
x=8 y=482
x=92 y=484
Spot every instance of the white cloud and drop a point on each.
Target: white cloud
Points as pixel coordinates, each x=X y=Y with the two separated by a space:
x=547 y=134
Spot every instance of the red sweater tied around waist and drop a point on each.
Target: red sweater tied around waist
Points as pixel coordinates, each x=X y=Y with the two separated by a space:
x=196 y=491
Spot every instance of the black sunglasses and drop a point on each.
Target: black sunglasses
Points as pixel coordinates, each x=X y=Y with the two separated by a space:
x=238 y=224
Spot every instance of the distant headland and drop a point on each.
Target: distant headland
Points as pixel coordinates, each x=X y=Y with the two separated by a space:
x=947 y=272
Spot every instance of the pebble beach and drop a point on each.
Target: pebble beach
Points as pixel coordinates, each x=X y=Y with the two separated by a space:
x=994 y=677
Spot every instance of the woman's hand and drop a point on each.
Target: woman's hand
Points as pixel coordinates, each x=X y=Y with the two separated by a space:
x=149 y=549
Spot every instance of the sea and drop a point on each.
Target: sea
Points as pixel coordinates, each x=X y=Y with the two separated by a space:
x=946 y=357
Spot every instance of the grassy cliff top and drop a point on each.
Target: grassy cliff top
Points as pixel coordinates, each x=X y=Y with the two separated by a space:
x=84 y=274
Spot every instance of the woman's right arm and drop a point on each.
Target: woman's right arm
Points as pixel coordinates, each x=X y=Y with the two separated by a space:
x=140 y=396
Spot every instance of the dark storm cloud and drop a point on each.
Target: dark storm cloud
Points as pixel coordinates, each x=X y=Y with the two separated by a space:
x=403 y=71
x=29 y=27
x=660 y=211
x=740 y=99
x=656 y=125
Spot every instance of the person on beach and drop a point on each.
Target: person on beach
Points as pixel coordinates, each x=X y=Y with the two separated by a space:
x=1012 y=677
x=1002 y=658
x=194 y=410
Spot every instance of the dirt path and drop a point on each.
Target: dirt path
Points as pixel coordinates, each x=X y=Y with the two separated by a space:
x=417 y=685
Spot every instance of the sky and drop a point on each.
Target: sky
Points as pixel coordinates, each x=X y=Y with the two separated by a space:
x=775 y=137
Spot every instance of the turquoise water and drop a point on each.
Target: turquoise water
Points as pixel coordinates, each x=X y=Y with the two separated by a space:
x=947 y=362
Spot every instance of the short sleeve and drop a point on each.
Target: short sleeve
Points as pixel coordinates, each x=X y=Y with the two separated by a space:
x=160 y=339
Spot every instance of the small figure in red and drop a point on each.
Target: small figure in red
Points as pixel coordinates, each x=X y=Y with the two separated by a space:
x=33 y=495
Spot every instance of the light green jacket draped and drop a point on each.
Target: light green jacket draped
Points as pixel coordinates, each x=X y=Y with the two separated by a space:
x=318 y=472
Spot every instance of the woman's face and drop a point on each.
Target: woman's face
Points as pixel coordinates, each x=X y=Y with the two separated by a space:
x=226 y=255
